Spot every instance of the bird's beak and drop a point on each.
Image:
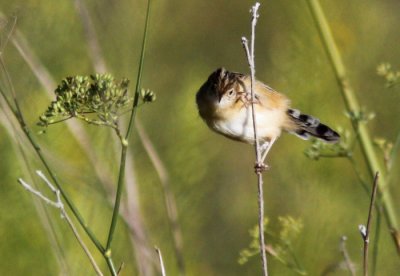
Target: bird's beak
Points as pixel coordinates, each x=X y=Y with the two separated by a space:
x=220 y=94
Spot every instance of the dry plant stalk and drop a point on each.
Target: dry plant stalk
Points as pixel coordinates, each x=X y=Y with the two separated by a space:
x=364 y=230
x=59 y=205
x=259 y=165
x=160 y=258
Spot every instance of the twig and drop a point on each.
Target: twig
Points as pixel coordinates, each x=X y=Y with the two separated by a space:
x=346 y=256
x=121 y=267
x=258 y=166
x=160 y=258
x=365 y=230
x=59 y=205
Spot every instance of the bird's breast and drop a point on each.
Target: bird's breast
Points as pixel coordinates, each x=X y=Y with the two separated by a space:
x=238 y=124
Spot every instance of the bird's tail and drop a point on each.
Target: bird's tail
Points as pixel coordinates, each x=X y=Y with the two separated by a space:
x=305 y=126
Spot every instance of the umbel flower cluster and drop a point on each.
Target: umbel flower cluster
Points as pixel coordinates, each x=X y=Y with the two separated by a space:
x=98 y=99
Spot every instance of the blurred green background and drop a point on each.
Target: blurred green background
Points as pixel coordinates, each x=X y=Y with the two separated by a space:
x=211 y=177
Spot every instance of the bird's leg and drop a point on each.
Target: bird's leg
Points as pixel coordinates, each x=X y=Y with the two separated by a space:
x=264 y=148
x=260 y=166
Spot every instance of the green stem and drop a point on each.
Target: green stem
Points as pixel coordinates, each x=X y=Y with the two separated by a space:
x=139 y=75
x=111 y=265
x=18 y=114
x=352 y=105
x=117 y=197
x=124 y=145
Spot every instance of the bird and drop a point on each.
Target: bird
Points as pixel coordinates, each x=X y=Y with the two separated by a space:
x=224 y=103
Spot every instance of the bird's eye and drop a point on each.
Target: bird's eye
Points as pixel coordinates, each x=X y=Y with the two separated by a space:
x=230 y=92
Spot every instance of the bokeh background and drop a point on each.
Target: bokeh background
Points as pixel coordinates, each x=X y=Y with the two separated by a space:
x=211 y=177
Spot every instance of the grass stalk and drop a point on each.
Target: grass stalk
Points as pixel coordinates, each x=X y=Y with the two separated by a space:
x=353 y=107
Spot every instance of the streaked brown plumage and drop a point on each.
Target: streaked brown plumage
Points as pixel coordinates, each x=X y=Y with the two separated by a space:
x=224 y=103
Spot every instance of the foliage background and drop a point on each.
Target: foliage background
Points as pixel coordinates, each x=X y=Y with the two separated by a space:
x=211 y=177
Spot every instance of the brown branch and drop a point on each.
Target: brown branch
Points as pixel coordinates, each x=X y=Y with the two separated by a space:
x=366 y=230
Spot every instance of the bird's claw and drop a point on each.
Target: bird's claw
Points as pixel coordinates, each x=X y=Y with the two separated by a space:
x=260 y=167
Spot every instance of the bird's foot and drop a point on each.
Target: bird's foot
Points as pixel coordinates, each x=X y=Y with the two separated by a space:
x=259 y=167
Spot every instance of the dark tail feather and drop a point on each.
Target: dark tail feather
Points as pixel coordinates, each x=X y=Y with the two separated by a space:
x=306 y=125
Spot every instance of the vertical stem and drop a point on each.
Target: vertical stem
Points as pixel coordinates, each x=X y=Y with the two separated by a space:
x=352 y=106
x=111 y=265
x=258 y=166
x=140 y=70
x=263 y=252
x=261 y=223
x=160 y=258
x=255 y=15
x=366 y=234
x=124 y=144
